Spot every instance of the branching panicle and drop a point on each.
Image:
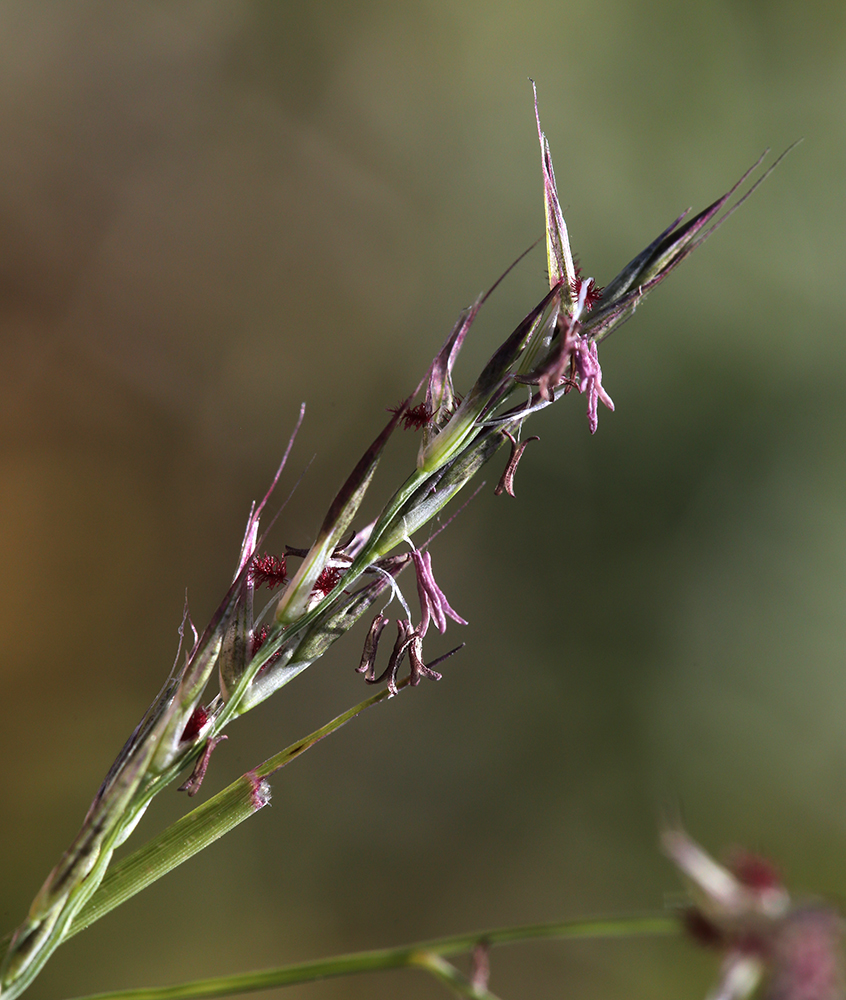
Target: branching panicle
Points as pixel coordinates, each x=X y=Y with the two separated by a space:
x=554 y=348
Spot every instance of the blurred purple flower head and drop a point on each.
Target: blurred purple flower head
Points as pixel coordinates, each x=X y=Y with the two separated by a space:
x=744 y=910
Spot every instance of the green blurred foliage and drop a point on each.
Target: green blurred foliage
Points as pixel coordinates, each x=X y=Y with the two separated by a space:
x=212 y=211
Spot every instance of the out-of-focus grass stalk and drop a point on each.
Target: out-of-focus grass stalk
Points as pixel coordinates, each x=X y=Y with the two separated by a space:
x=419 y=955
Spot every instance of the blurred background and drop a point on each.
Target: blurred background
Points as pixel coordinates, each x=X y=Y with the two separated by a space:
x=210 y=212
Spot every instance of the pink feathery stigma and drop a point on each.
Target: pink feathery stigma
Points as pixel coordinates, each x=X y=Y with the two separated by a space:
x=414 y=418
x=328 y=579
x=258 y=640
x=269 y=570
x=585 y=289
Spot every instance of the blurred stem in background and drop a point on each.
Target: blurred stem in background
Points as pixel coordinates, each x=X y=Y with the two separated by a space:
x=427 y=955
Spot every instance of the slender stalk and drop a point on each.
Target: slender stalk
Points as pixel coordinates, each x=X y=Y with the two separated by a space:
x=421 y=955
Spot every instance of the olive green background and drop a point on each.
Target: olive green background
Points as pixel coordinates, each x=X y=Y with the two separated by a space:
x=210 y=212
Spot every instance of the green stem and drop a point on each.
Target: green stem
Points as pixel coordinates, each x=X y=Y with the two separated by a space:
x=201 y=827
x=419 y=955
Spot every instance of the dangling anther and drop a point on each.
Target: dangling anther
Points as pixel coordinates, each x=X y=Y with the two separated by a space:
x=418 y=667
x=404 y=633
x=506 y=483
x=192 y=785
x=371 y=647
